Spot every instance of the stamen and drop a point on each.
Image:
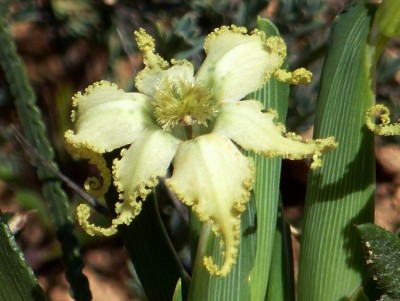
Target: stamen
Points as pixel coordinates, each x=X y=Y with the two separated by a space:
x=181 y=102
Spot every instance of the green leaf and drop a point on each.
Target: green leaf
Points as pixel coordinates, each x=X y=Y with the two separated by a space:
x=281 y=279
x=388 y=18
x=18 y=283
x=382 y=252
x=341 y=193
x=273 y=95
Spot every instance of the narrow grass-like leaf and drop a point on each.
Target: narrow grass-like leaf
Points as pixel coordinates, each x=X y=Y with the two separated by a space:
x=34 y=130
x=341 y=193
x=18 y=283
x=382 y=252
x=274 y=95
x=281 y=279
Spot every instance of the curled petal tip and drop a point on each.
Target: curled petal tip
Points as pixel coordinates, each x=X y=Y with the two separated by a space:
x=323 y=146
x=385 y=128
x=83 y=215
x=144 y=41
x=95 y=186
x=146 y=45
x=230 y=245
x=126 y=212
x=297 y=77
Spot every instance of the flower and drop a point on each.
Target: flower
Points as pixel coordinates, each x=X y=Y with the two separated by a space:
x=193 y=121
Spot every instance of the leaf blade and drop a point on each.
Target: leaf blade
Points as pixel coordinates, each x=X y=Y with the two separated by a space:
x=273 y=95
x=383 y=257
x=16 y=277
x=340 y=194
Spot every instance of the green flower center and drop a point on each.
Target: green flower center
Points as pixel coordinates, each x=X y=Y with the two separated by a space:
x=182 y=103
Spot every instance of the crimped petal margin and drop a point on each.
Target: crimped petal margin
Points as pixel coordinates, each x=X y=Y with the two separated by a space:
x=245 y=123
x=211 y=175
x=102 y=105
x=385 y=128
x=237 y=63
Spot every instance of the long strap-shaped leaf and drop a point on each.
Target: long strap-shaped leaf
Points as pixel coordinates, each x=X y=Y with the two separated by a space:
x=281 y=280
x=33 y=128
x=341 y=193
x=274 y=95
x=16 y=277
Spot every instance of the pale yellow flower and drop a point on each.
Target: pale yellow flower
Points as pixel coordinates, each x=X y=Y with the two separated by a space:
x=193 y=122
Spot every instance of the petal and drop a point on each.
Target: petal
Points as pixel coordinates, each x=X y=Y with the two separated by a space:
x=134 y=176
x=107 y=118
x=245 y=123
x=149 y=80
x=385 y=128
x=148 y=158
x=238 y=64
x=211 y=175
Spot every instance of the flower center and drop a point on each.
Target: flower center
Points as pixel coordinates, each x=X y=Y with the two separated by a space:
x=181 y=102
